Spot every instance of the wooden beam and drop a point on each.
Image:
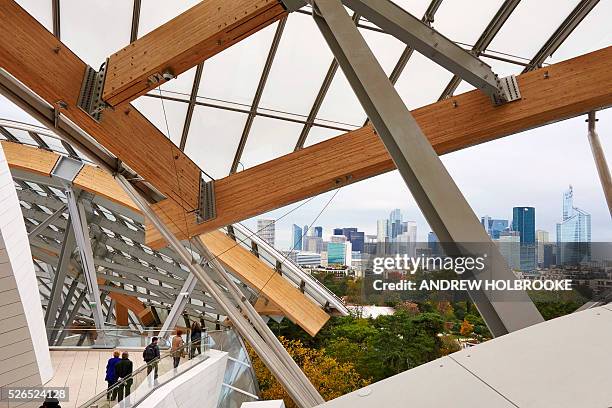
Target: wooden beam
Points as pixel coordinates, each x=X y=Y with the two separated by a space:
x=266 y=307
x=121 y=315
x=253 y=271
x=557 y=92
x=144 y=313
x=46 y=66
x=199 y=33
x=29 y=158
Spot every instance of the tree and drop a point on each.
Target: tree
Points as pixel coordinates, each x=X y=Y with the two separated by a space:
x=331 y=378
x=466 y=328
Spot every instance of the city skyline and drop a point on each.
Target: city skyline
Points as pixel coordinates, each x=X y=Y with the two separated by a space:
x=370 y=226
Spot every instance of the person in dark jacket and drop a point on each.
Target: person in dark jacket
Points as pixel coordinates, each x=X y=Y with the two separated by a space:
x=150 y=355
x=111 y=378
x=123 y=370
x=196 y=339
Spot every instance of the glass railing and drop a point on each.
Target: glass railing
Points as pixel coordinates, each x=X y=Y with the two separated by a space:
x=130 y=391
x=110 y=337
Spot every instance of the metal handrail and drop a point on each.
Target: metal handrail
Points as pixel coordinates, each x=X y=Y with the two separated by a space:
x=186 y=347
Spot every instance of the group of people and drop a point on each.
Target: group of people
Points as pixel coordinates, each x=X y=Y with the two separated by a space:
x=119 y=370
x=118 y=376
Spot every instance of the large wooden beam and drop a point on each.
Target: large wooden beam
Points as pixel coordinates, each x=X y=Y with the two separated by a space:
x=557 y=92
x=253 y=271
x=42 y=63
x=199 y=33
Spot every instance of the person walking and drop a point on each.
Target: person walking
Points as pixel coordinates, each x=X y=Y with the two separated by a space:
x=123 y=371
x=111 y=378
x=150 y=355
x=177 y=347
x=196 y=339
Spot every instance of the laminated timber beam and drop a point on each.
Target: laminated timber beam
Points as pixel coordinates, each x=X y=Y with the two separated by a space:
x=44 y=65
x=199 y=33
x=266 y=281
x=559 y=91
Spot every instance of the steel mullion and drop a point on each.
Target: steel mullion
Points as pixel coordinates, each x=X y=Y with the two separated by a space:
x=314 y=110
x=561 y=33
x=278 y=34
x=135 y=21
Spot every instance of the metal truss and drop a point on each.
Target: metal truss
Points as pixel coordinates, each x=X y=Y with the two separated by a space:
x=438 y=197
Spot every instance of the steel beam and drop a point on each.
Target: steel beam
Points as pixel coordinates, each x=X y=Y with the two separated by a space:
x=72 y=316
x=600 y=161
x=40 y=227
x=437 y=195
x=64 y=309
x=433 y=45
x=298 y=387
x=135 y=20
x=179 y=306
x=81 y=233
x=68 y=246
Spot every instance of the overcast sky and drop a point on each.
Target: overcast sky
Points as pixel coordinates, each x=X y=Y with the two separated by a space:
x=528 y=169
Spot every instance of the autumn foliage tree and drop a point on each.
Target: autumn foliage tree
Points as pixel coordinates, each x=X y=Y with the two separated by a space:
x=331 y=378
x=466 y=328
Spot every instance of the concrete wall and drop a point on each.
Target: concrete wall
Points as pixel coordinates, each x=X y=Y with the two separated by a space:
x=24 y=354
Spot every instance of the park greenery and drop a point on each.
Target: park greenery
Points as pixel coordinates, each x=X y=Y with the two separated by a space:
x=351 y=351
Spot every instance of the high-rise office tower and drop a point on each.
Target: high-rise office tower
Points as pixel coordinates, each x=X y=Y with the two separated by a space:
x=381 y=230
x=266 y=229
x=355 y=237
x=523 y=221
x=541 y=239
x=318 y=232
x=573 y=233
x=493 y=226
x=296 y=237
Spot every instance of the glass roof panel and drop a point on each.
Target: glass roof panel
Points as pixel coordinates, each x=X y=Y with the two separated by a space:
x=319 y=134
x=153 y=109
x=40 y=10
x=340 y=103
x=213 y=139
x=84 y=31
x=155 y=13
x=233 y=74
x=455 y=22
x=593 y=33
x=422 y=81
x=530 y=26
x=269 y=138
x=180 y=87
x=301 y=62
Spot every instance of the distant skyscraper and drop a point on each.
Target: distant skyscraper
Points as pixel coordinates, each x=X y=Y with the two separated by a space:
x=573 y=233
x=339 y=251
x=381 y=230
x=296 y=237
x=306 y=231
x=355 y=237
x=433 y=243
x=493 y=226
x=523 y=221
x=509 y=244
x=266 y=229
x=541 y=239
x=318 y=232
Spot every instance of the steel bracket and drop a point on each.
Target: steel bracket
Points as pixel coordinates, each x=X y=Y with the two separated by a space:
x=207 y=209
x=509 y=91
x=90 y=97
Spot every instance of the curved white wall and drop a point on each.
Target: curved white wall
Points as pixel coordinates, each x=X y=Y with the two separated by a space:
x=24 y=353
